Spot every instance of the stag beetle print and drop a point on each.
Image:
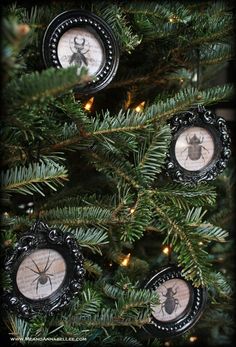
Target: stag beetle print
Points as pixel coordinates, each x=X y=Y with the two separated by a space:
x=83 y=48
x=194 y=148
x=41 y=273
x=174 y=296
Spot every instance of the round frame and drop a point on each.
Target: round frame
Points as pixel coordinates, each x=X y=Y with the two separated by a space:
x=95 y=26
x=38 y=238
x=190 y=315
x=216 y=128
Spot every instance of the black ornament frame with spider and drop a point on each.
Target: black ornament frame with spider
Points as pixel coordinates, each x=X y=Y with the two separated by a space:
x=46 y=271
x=200 y=146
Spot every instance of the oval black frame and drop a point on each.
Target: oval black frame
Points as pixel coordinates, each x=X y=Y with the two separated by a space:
x=199 y=117
x=74 y=18
x=191 y=314
x=41 y=236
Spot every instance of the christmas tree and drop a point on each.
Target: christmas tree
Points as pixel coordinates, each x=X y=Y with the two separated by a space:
x=87 y=156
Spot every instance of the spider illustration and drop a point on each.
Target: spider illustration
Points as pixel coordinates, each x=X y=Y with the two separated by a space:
x=194 y=148
x=43 y=277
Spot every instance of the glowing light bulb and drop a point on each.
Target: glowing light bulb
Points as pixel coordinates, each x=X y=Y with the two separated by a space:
x=193 y=338
x=125 y=261
x=166 y=250
x=132 y=210
x=140 y=107
x=89 y=104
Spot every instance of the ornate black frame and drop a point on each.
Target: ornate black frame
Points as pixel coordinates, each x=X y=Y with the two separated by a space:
x=188 y=318
x=217 y=127
x=38 y=237
x=74 y=18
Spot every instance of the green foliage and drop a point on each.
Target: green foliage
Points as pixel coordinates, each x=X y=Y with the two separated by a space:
x=29 y=180
x=151 y=156
x=116 y=18
x=118 y=200
x=38 y=87
x=184 y=197
x=75 y=216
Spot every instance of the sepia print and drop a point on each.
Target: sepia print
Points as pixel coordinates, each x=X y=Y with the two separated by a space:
x=41 y=273
x=81 y=47
x=174 y=297
x=194 y=148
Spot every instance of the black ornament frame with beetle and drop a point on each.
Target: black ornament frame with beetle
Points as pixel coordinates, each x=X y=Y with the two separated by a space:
x=46 y=271
x=194 y=162
x=81 y=38
x=181 y=304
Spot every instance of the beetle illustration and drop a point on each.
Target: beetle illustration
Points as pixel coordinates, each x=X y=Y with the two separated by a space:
x=171 y=303
x=78 y=57
x=194 y=148
x=43 y=277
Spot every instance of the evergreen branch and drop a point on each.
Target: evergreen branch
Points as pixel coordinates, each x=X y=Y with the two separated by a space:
x=140 y=218
x=191 y=257
x=153 y=153
x=161 y=11
x=76 y=216
x=112 y=291
x=28 y=180
x=216 y=53
x=221 y=284
x=115 y=17
x=91 y=238
x=108 y=318
x=37 y=87
x=211 y=232
x=92 y=268
x=18 y=327
x=135 y=299
x=184 y=197
x=114 y=166
x=89 y=304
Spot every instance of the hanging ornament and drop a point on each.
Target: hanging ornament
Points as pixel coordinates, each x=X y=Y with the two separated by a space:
x=81 y=38
x=200 y=146
x=181 y=304
x=46 y=271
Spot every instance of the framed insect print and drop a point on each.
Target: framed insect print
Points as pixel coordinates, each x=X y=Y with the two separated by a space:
x=200 y=146
x=46 y=271
x=80 y=38
x=181 y=304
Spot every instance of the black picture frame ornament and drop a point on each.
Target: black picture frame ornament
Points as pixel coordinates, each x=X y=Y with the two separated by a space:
x=190 y=315
x=216 y=128
x=97 y=32
x=42 y=238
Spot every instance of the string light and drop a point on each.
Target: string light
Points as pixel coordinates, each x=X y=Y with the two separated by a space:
x=166 y=250
x=6 y=214
x=173 y=19
x=89 y=104
x=140 y=107
x=200 y=243
x=131 y=211
x=167 y=343
x=193 y=338
x=126 y=260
